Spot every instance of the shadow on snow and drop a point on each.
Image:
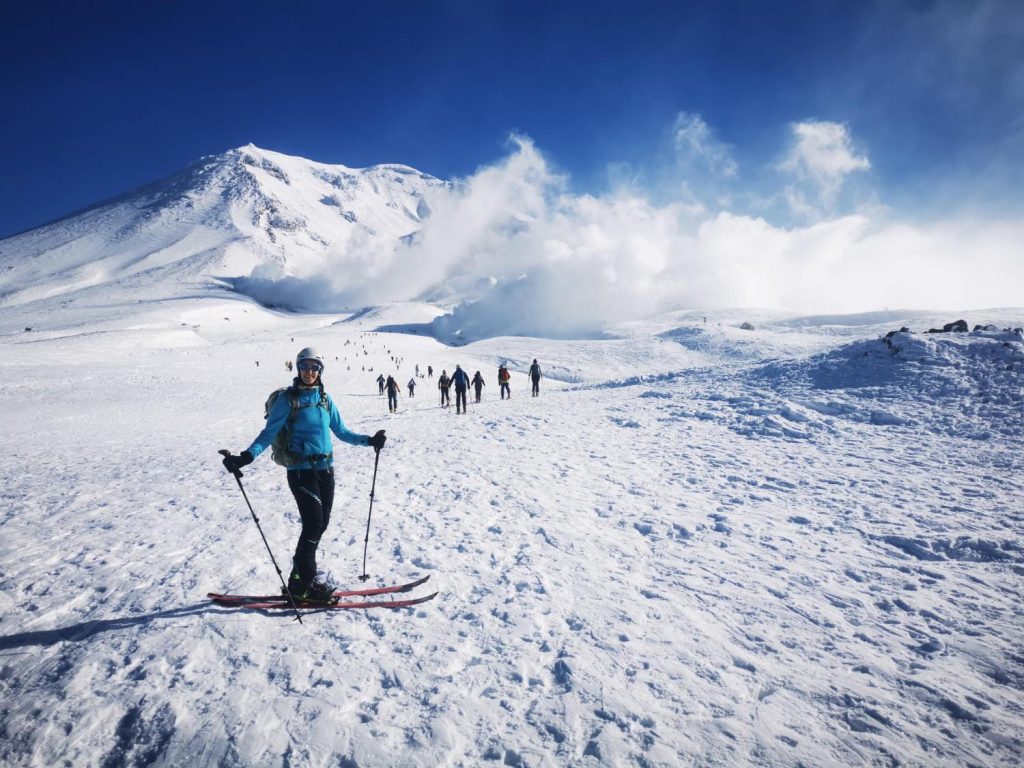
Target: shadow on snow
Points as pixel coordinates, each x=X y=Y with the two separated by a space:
x=86 y=630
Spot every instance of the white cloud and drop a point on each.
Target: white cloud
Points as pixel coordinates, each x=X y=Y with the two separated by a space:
x=696 y=146
x=820 y=158
x=579 y=262
x=824 y=150
x=535 y=259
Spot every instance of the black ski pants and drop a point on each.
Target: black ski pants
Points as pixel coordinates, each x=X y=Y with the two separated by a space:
x=392 y=401
x=445 y=397
x=460 y=398
x=536 y=386
x=505 y=391
x=479 y=391
x=313 y=490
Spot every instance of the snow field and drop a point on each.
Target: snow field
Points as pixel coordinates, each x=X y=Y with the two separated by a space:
x=713 y=565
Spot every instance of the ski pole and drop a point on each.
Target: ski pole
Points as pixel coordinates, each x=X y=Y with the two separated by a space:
x=373 y=486
x=238 y=478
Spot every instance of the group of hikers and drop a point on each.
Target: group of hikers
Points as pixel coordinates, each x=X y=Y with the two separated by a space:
x=461 y=382
x=299 y=422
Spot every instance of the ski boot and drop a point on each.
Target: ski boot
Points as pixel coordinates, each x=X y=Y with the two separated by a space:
x=317 y=592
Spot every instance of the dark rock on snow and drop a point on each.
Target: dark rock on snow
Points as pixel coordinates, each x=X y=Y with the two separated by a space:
x=960 y=326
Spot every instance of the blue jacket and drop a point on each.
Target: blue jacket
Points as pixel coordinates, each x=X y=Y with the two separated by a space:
x=311 y=429
x=460 y=379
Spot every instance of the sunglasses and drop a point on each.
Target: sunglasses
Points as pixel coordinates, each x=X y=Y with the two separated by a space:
x=310 y=367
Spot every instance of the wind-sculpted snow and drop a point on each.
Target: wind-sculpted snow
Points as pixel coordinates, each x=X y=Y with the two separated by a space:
x=963 y=548
x=678 y=559
x=966 y=384
x=941 y=364
x=717 y=344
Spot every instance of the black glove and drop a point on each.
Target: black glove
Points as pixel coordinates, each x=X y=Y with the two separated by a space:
x=378 y=440
x=234 y=463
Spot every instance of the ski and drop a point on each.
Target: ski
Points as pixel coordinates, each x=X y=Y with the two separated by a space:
x=339 y=606
x=368 y=592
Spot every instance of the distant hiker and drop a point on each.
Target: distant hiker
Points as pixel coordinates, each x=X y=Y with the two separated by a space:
x=443 y=382
x=417 y=369
x=394 y=390
x=535 y=377
x=478 y=384
x=380 y=384
x=288 y=365
x=503 y=379
x=430 y=371
x=461 y=382
x=257 y=363
x=412 y=387
x=300 y=419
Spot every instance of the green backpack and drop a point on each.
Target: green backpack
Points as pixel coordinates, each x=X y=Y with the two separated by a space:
x=279 y=447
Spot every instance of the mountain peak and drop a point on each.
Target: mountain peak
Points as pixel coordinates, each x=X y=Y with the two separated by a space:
x=248 y=210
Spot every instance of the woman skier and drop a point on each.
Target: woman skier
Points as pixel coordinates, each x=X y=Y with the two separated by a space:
x=306 y=415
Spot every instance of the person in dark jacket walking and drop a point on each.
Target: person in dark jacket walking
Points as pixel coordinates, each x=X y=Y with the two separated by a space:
x=309 y=415
x=535 y=377
x=478 y=384
x=394 y=390
x=443 y=383
x=461 y=382
x=503 y=382
x=412 y=387
x=380 y=384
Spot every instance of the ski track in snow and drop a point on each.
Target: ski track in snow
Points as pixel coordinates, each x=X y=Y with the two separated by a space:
x=719 y=565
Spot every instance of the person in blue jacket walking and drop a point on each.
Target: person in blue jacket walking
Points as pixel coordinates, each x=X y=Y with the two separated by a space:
x=299 y=425
x=461 y=382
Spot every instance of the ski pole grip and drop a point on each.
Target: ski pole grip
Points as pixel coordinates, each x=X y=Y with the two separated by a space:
x=225 y=453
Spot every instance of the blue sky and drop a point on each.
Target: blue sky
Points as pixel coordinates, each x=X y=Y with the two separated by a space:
x=706 y=98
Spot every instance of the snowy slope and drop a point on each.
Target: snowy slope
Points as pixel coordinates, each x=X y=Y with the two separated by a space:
x=701 y=545
x=246 y=213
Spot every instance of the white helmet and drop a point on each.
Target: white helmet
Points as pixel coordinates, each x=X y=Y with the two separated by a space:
x=309 y=354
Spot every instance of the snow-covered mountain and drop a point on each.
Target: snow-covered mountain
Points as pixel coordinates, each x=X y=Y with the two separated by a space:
x=247 y=211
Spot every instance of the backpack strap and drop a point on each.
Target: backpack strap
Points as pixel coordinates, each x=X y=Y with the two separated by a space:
x=293 y=400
